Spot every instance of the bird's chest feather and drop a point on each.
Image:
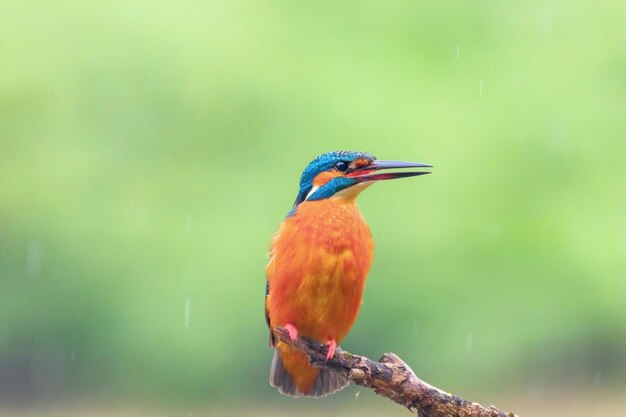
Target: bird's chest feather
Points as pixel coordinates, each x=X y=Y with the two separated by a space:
x=319 y=261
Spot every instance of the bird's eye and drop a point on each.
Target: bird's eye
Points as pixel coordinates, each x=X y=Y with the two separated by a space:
x=341 y=166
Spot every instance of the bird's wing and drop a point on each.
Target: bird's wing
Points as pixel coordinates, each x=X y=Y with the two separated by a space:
x=267 y=313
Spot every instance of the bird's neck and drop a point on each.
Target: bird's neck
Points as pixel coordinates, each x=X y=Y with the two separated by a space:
x=339 y=207
x=335 y=216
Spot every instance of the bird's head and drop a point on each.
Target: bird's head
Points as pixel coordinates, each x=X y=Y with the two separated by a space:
x=345 y=174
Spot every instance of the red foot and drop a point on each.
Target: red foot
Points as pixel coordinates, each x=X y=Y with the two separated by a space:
x=293 y=333
x=332 y=345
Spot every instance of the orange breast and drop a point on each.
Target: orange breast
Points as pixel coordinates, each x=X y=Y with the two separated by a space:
x=319 y=260
x=318 y=264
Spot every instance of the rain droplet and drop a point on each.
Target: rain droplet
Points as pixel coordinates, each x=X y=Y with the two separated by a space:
x=596 y=377
x=545 y=22
x=470 y=342
x=187 y=311
x=189 y=223
x=34 y=258
x=481 y=87
x=356 y=396
x=458 y=51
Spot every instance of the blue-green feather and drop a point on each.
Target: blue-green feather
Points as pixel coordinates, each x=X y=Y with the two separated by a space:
x=325 y=162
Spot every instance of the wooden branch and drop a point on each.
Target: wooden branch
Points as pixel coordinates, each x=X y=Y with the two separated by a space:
x=391 y=378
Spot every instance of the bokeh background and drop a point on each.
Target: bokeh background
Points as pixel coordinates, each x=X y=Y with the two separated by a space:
x=149 y=150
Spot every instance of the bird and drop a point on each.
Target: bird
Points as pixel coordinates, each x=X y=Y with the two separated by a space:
x=318 y=263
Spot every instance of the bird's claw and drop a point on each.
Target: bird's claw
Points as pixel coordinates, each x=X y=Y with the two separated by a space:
x=331 y=345
x=293 y=332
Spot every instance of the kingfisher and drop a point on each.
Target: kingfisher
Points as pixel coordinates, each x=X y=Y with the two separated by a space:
x=318 y=262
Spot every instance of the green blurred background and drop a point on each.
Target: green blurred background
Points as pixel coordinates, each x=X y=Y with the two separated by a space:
x=148 y=151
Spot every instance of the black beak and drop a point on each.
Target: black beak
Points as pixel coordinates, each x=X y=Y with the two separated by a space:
x=365 y=173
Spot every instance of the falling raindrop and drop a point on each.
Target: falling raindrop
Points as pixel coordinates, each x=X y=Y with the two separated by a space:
x=356 y=396
x=470 y=342
x=73 y=354
x=34 y=258
x=458 y=51
x=481 y=87
x=189 y=223
x=415 y=329
x=596 y=377
x=558 y=139
x=545 y=22
x=187 y=311
x=537 y=388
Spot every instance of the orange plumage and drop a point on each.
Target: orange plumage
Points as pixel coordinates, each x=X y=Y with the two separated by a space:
x=319 y=260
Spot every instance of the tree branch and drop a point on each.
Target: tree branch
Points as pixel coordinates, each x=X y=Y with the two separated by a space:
x=391 y=378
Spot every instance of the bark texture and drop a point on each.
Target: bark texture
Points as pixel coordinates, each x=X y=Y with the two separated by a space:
x=393 y=379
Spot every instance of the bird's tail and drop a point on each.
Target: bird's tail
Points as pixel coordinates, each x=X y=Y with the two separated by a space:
x=325 y=383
